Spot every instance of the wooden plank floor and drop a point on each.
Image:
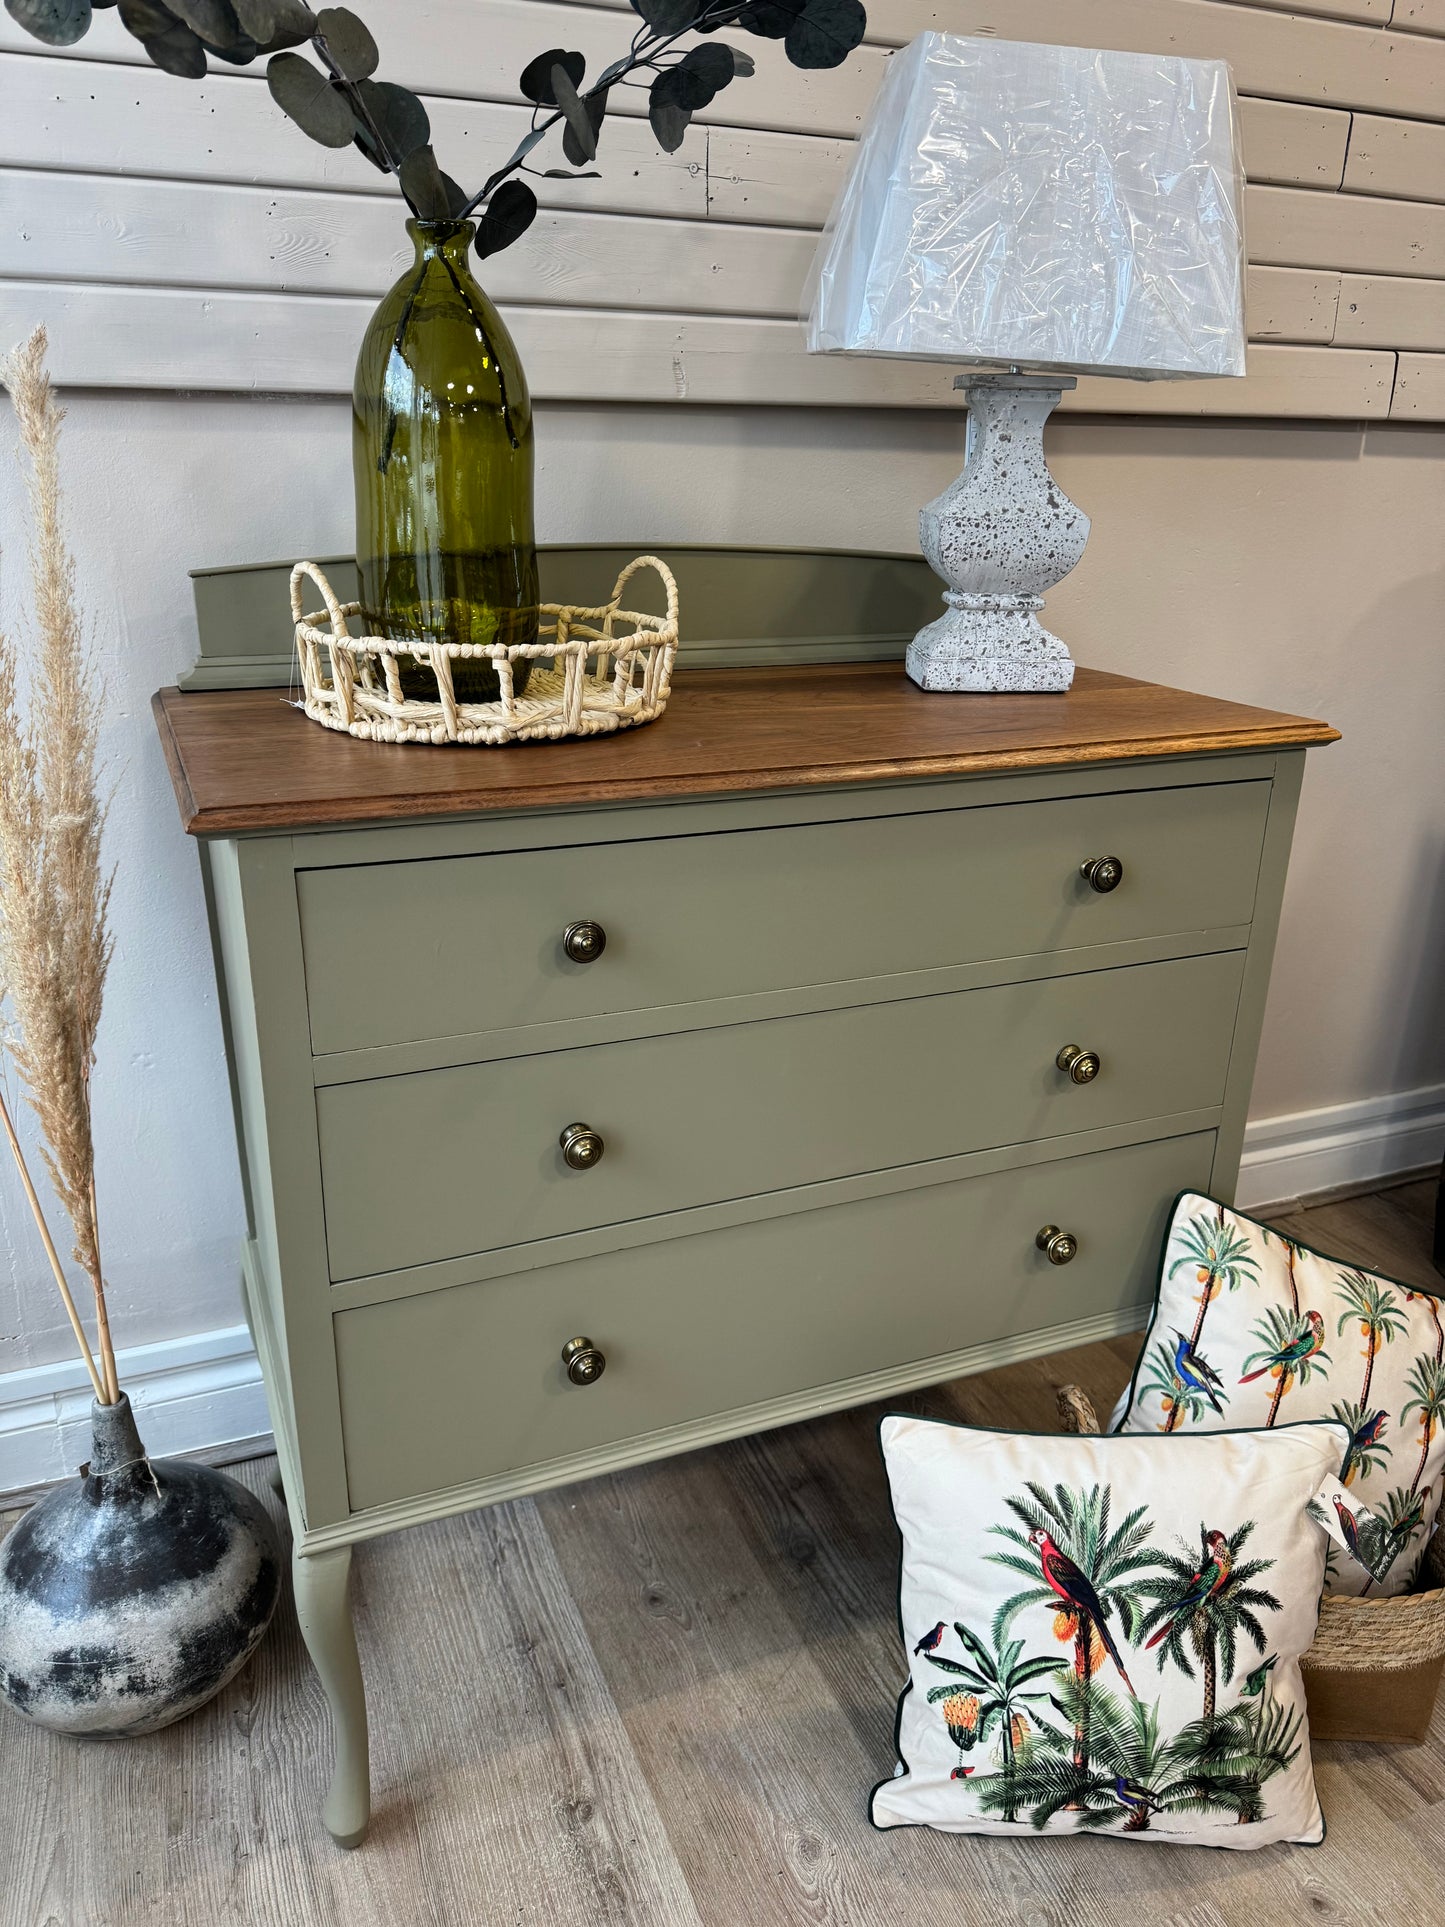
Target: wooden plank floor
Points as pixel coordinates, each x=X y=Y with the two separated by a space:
x=661 y=1698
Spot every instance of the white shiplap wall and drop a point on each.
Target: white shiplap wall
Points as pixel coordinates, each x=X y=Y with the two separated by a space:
x=184 y=233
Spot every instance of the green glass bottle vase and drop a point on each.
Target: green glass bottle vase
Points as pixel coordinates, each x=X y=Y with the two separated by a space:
x=442 y=453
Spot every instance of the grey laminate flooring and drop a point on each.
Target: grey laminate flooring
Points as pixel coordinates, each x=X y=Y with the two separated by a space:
x=662 y=1698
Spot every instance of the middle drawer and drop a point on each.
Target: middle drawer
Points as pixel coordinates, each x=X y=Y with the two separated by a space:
x=443 y=1164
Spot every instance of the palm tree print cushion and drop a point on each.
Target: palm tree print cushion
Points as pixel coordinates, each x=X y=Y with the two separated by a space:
x=1103 y=1634
x=1250 y=1328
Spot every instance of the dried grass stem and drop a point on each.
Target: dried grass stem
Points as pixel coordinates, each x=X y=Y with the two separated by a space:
x=55 y=943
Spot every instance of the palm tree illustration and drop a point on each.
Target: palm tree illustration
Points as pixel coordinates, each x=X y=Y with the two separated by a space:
x=1205 y=1600
x=1371 y=1301
x=1289 y=1349
x=1244 y=1748
x=1291 y=1254
x=990 y=1693
x=1367 y=1450
x=1133 y=1775
x=1426 y=1383
x=1108 y=1556
x=1218 y=1255
x=1399 y=1516
x=1428 y=1298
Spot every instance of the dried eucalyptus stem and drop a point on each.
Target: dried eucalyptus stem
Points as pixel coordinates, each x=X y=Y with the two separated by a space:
x=55 y=943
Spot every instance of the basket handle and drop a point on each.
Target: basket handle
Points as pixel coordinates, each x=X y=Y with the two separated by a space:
x=668 y=582
x=1076 y=1410
x=339 y=629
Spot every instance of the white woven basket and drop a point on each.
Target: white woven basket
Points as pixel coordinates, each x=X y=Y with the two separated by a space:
x=594 y=670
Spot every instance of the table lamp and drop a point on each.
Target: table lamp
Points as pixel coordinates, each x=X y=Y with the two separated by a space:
x=1035 y=213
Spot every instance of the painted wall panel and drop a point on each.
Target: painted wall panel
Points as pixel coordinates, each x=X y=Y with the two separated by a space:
x=1403 y=158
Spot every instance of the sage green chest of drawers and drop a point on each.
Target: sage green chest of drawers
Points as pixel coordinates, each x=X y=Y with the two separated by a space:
x=814 y=1029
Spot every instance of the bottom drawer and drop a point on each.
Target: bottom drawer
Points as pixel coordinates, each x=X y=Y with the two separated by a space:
x=447 y=1387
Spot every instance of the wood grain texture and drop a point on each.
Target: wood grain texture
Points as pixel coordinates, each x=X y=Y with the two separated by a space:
x=660 y=1699
x=1402 y=158
x=1419 y=389
x=228 y=341
x=1377 y=310
x=245 y=760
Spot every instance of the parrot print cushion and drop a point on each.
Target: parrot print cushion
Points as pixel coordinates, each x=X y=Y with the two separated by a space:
x=1250 y=1328
x=1103 y=1634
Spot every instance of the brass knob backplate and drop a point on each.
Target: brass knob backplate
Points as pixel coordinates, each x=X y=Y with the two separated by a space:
x=1083 y=1066
x=1059 y=1247
x=584 y=942
x=582 y=1147
x=584 y=1363
x=1102 y=873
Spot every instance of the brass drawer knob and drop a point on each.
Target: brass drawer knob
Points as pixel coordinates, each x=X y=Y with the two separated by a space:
x=585 y=942
x=582 y=1147
x=1102 y=873
x=1059 y=1247
x=1083 y=1066
x=584 y=1363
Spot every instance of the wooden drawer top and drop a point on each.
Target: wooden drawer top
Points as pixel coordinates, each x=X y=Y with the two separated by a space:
x=244 y=760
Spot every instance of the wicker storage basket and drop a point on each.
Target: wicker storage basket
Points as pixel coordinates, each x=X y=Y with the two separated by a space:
x=1396 y=1645
x=594 y=670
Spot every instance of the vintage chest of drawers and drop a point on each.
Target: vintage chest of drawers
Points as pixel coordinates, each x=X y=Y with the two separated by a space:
x=738 y=1050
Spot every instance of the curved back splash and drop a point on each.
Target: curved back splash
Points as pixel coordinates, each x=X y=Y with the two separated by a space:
x=738 y=606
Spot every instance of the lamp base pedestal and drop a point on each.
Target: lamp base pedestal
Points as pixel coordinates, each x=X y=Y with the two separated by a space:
x=1001 y=535
x=989 y=643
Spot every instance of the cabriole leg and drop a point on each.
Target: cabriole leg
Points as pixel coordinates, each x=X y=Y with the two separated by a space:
x=320 y=1581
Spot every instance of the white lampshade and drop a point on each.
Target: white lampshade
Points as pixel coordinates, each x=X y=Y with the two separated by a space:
x=1053 y=208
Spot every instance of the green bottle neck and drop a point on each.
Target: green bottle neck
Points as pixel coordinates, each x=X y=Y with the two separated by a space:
x=443 y=241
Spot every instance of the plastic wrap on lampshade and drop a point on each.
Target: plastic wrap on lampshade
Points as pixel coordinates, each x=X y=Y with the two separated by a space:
x=1056 y=208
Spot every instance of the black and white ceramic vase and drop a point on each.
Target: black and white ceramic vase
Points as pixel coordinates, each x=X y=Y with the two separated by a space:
x=130 y=1595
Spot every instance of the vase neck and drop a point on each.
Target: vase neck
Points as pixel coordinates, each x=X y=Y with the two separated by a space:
x=114 y=1441
x=443 y=240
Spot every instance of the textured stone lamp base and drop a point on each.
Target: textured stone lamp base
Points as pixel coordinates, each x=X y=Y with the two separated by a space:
x=985 y=645
x=1002 y=534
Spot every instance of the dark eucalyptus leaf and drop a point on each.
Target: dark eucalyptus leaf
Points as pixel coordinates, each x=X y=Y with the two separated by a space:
x=240 y=52
x=669 y=16
x=668 y=122
x=579 y=126
x=348 y=41
x=825 y=33
x=594 y=106
x=400 y=119
x=743 y=64
x=307 y=96
x=146 y=18
x=570 y=174
x=59 y=23
x=507 y=216
x=713 y=64
x=213 y=21
x=682 y=86
x=769 y=19
x=275 y=24
x=536 y=81
x=456 y=196
x=177 y=51
x=425 y=186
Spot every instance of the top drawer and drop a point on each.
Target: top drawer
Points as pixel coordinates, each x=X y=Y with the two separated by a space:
x=401 y=952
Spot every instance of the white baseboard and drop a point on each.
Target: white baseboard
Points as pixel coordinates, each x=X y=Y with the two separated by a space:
x=199 y=1393
x=1341 y=1144
x=190 y=1395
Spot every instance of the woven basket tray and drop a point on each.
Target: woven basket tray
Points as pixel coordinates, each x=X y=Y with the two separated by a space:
x=1354 y=1635
x=593 y=671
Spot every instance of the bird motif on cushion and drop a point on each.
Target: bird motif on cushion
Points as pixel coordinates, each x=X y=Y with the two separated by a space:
x=1195 y=1374
x=1361 y=1440
x=961 y=1772
x=929 y=1642
x=1073 y=1585
x=1214 y=1569
x=1254 y=1685
x=1138 y=1800
x=1307 y=1341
